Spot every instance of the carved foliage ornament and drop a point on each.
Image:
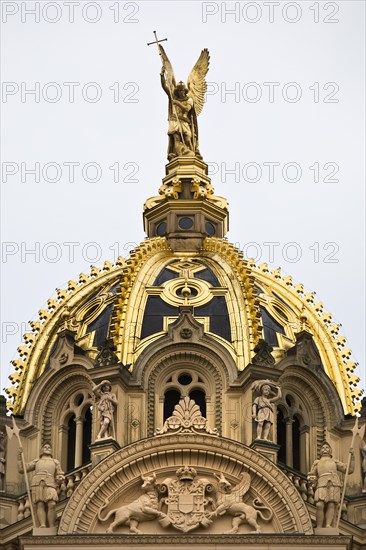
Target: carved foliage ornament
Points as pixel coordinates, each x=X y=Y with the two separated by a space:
x=186 y=418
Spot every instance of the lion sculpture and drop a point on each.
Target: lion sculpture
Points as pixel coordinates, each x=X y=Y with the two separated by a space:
x=230 y=501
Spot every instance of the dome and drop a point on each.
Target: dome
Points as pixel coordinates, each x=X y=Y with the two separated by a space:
x=124 y=307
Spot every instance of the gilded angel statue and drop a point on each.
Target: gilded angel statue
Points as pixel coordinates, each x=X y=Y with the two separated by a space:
x=185 y=104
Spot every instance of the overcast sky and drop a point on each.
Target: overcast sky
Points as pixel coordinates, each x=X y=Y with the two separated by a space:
x=282 y=130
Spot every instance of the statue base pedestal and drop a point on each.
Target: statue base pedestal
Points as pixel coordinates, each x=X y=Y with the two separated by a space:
x=186 y=167
x=102 y=448
x=44 y=531
x=326 y=531
x=266 y=448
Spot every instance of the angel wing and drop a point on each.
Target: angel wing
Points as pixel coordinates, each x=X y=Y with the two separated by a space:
x=243 y=486
x=169 y=77
x=196 y=81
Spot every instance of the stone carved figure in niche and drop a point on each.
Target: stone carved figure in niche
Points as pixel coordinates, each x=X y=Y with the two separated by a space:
x=230 y=501
x=363 y=464
x=263 y=409
x=185 y=104
x=2 y=460
x=47 y=477
x=325 y=478
x=145 y=508
x=107 y=401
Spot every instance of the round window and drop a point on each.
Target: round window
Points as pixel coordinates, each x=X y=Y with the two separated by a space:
x=185 y=223
x=210 y=229
x=184 y=379
x=161 y=229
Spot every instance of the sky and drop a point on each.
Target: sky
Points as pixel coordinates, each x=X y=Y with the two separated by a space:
x=84 y=122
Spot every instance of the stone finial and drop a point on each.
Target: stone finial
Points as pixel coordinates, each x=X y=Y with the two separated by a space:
x=263 y=355
x=106 y=355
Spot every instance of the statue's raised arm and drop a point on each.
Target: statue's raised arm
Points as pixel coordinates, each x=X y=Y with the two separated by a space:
x=185 y=104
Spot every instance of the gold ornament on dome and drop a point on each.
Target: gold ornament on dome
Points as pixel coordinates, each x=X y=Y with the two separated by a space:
x=185 y=104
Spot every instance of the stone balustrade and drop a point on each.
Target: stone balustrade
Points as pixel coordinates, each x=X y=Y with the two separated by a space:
x=306 y=488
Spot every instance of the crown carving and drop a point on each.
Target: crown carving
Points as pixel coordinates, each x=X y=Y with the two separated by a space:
x=186 y=473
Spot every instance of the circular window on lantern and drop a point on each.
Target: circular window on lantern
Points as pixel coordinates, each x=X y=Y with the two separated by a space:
x=210 y=229
x=185 y=223
x=161 y=229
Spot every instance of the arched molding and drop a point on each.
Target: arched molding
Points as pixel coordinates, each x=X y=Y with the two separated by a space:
x=121 y=472
x=203 y=345
x=197 y=363
x=34 y=353
x=316 y=392
x=49 y=397
x=297 y=408
x=201 y=352
x=45 y=385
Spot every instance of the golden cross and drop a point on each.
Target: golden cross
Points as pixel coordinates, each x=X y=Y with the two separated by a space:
x=156 y=40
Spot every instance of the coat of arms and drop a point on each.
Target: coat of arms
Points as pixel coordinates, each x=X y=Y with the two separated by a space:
x=186 y=501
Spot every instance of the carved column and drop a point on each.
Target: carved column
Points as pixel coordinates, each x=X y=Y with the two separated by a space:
x=304 y=449
x=289 y=443
x=62 y=445
x=79 y=442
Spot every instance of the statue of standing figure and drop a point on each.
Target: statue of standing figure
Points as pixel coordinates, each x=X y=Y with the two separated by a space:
x=185 y=104
x=48 y=476
x=107 y=401
x=324 y=476
x=263 y=409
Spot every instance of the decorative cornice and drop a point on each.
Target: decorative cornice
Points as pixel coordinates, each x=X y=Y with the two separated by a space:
x=104 y=541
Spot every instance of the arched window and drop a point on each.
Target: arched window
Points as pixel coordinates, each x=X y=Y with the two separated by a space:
x=296 y=443
x=182 y=383
x=171 y=399
x=87 y=435
x=75 y=431
x=71 y=439
x=291 y=435
x=281 y=436
x=199 y=397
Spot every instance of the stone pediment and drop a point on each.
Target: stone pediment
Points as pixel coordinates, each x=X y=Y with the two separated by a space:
x=186 y=328
x=177 y=483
